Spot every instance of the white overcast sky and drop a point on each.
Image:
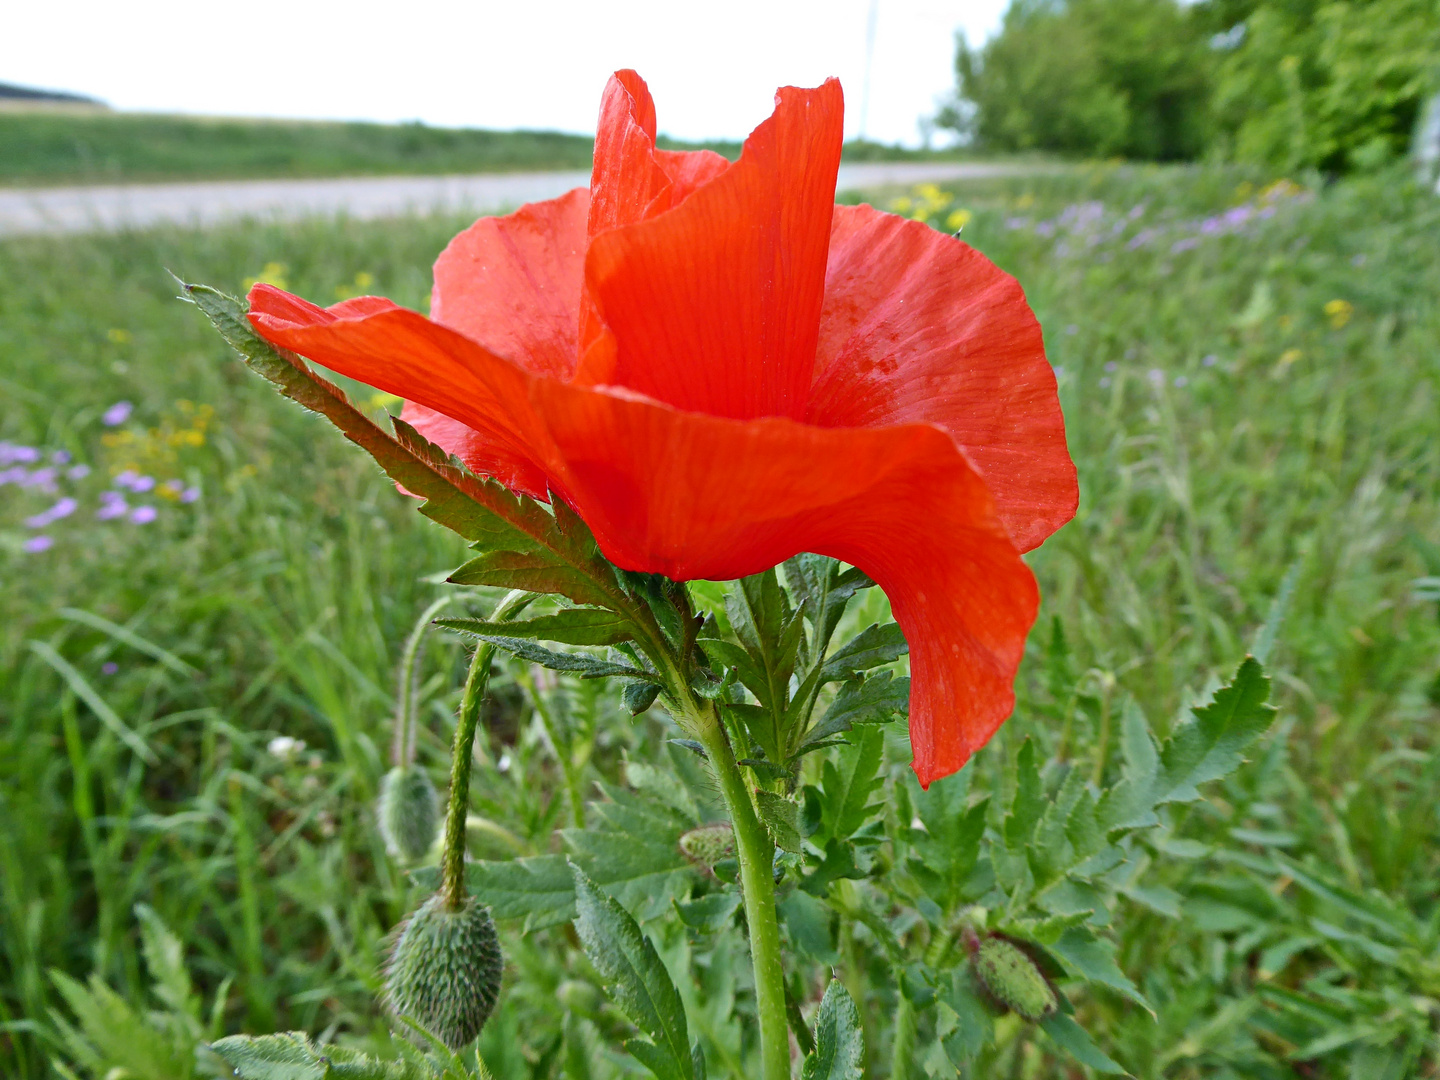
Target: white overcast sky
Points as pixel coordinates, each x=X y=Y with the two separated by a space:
x=713 y=67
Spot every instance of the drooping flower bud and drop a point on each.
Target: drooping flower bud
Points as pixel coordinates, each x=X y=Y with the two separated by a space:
x=444 y=972
x=408 y=812
x=707 y=845
x=1012 y=978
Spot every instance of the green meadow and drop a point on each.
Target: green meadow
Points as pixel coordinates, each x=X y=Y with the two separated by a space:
x=1250 y=372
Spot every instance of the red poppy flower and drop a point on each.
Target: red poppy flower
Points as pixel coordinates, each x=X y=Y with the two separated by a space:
x=717 y=368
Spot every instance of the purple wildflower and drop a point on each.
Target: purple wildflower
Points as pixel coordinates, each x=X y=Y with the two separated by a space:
x=1045 y=229
x=1137 y=210
x=143 y=515
x=1156 y=376
x=1211 y=360
x=1111 y=367
x=112 y=505
x=1184 y=244
x=110 y=667
x=37 y=544
x=1059 y=371
x=1182 y=380
x=78 y=472
x=60 y=457
x=14 y=475
x=190 y=495
x=10 y=453
x=117 y=414
x=1104 y=382
x=1017 y=222
x=1211 y=225
x=1238 y=215
x=64 y=508
x=1141 y=238
x=44 y=479
x=1072 y=329
x=1266 y=212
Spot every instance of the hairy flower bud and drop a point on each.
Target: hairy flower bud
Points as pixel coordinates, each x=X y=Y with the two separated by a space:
x=444 y=972
x=709 y=844
x=408 y=811
x=1012 y=978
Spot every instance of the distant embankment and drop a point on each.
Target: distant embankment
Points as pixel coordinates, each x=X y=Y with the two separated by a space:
x=43 y=146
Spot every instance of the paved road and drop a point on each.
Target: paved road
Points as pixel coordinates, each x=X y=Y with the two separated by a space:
x=86 y=209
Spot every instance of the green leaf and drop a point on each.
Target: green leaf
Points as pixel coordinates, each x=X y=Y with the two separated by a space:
x=848 y=783
x=539 y=890
x=713 y=911
x=949 y=847
x=823 y=590
x=811 y=924
x=1206 y=747
x=781 y=817
x=974 y=1027
x=636 y=980
x=1093 y=959
x=1028 y=805
x=868 y=701
x=632 y=850
x=573 y=626
x=1076 y=1041
x=839 y=1040
x=283 y=1056
x=580 y=664
x=530 y=547
x=879 y=643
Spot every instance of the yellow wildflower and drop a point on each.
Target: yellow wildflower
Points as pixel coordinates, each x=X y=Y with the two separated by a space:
x=1339 y=312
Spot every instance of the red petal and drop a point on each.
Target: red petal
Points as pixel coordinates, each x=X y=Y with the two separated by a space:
x=694 y=496
x=626 y=177
x=513 y=283
x=714 y=306
x=403 y=353
x=919 y=327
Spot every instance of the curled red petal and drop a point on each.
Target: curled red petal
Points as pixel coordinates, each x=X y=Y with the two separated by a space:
x=919 y=327
x=693 y=496
x=714 y=305
x=513 y=283
x=404 y=353
x=626 y=177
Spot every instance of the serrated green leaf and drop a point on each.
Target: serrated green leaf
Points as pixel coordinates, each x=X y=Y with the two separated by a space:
x=636 y=981
x=847 y=783
x=282 y=1056
x=1209 y=745
x=949 y=847
x=537 y=550
x=823 y=590
x=580 y=664
x=1093 y=959
x=839 y=1040
x=1028 y=804
x=1076 y=1041
x=869 y=701
x=539 y=890
x=974 y=1027
x=633 y=851
x=574 y=626
x=879 y=643
x=781 y=817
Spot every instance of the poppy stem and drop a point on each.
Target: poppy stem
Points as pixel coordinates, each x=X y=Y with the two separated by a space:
x=756 y=853
x=452 y=858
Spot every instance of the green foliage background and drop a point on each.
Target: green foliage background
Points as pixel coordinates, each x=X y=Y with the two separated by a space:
x=1232 y=434
x=1336 y=85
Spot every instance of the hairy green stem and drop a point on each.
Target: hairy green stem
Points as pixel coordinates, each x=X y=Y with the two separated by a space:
x=452 y=860
x=756 y=853
x=402 y=746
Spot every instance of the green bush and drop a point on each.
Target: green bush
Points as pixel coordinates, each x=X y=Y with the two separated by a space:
x=1093 y=77
x=1336 y=85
